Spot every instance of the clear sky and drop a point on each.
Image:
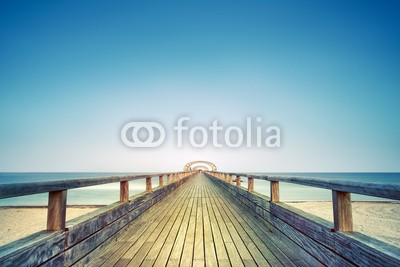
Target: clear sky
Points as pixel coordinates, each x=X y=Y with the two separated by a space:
x=72 y=73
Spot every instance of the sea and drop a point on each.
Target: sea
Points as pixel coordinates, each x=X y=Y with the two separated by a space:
x=109 y=193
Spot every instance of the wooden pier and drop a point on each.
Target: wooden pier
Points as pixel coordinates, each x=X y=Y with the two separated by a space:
x=199 y=219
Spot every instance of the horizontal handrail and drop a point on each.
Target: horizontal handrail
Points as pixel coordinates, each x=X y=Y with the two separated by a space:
x=390 y=191
x=31 y=188
x=56 y=210
x=341 y=192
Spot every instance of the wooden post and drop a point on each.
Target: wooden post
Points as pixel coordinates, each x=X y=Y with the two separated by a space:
x=148 y=184
x=238 y=183
x=124 y=191
x=161 y=180
x=274 y=190
x=250 y=184
x=169 y=178
x=342 y=212
x=56 y=210
x=230 y=179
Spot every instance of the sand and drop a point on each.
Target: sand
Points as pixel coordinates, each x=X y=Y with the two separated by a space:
x=16 y=223
x=376 y=219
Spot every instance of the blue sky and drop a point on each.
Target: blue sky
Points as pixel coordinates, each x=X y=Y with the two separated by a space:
x=72 y=73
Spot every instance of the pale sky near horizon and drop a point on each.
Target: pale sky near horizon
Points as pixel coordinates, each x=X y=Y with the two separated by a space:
x=72 y=73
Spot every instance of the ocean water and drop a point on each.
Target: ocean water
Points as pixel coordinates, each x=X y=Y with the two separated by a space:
x=109 y=193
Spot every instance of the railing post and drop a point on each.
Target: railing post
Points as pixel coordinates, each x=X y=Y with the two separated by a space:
x=148 y=184
x=161 y=180
x=56 y=210
x=238 y=183
x=124 y=191
x=274 y=190
x=250 y=184
x=342 y=211
x=230 y=179
x=169 y=178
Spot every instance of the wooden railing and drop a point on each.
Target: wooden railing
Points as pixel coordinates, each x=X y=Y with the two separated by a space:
x=341 y=192
x=57 y=201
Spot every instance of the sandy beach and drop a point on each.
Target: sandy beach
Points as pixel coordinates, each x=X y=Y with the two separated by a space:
x=376 y=219
x=16 y=223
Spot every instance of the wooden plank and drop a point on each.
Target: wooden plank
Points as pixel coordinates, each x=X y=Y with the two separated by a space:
x=221 y=253
x=265 y=241
x=32 y=250
x=137 y=228
x=159 y=242
x=391 y=191
x=274 y=191
x=31 y=188
x=161 y=180
x=253 y=243
x=238 y=180
x=236 y=238
x=342 y=211
x=301 y=239
x=90 y=243
x=250 y=184
x=186 y=258
x=183 y=217
x=148 y=184
x=78 y=251
x=198 y=254
x=56 y=210
x=136 y=247
x=124 y=191
x=175 y=240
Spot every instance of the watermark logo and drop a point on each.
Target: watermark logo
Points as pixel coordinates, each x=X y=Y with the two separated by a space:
x=133 y=129
x=252 y=134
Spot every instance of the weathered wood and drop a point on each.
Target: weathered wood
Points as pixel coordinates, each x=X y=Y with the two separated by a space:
x=161 y=180
x=32 y=250
x=124 y=191
x=148 y=184
x=81 y=227
x=391 y=191
x=274 y=191
x=250 y=184
x=168 y=178
x=271 y=251
x=342 y=211
x=238 y=181
x=22 y=189
x=90 y=242
x=305 y=227
x=56 y=210
x=303 y=242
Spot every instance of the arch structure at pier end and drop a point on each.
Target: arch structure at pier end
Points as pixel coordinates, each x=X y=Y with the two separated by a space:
x=200 y=165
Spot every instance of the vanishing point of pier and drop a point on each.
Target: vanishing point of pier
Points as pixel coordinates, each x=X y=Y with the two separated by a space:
x=199 y=217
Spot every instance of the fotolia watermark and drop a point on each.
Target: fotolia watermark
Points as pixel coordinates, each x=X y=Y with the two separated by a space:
x=252 y=134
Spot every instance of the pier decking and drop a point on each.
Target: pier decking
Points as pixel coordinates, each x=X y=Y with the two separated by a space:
x=199 y=218
x=198 y=225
